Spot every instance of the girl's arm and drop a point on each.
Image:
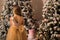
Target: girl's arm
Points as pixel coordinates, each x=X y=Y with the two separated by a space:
x=13 y=22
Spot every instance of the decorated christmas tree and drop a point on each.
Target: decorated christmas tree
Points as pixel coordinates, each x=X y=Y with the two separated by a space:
x=50 y=26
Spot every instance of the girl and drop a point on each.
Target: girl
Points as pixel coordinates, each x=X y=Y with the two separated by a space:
x=16 y=30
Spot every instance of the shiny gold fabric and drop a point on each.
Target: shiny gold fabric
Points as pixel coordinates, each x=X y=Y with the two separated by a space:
x=17 y=33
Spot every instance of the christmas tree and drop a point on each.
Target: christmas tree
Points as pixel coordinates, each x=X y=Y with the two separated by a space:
x=50 y=26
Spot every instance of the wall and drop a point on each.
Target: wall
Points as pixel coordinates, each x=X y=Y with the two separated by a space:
x=1 y=4
x=37 y=6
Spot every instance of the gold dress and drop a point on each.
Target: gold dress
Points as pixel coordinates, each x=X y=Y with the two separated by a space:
x=17 y=33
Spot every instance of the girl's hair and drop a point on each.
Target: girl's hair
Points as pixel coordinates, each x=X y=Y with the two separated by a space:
x=17 y=10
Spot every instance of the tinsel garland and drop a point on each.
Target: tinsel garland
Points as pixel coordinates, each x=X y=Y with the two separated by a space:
x=50 y=26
